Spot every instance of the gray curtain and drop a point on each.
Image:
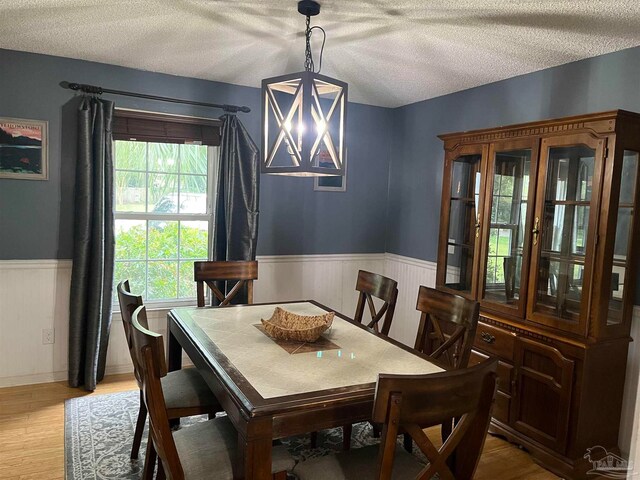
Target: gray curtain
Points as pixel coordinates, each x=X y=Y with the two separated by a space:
x=236 y=217
x=93 y=250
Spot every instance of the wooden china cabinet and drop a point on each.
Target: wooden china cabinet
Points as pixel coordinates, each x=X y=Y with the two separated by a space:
x=538 y=225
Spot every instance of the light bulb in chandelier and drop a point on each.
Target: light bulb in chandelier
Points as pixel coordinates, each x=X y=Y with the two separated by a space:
x=297 y=128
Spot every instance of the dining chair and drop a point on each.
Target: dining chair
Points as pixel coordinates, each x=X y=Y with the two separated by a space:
x=446 y=331
x=205 y=450
x=186 y=392
x=411 y=403
x=447 y=326
x=372 y=285
x=211 y=273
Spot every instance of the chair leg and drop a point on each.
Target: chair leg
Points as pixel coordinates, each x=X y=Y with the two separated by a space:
x=346 y=437
x=314 y=439
x=408 y=443
x=150 y=461
x=161 y=475
x=280 y=476
x=137 y=436
x=446 y=429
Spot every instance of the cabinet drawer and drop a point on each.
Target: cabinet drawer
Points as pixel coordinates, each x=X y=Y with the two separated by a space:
x=495 y=341
x=504 y=372
x=477 y=357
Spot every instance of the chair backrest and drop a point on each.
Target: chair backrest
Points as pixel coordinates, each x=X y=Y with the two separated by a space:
x=128 y=303
x=447 y=326
x=410 y=403
x=148 y=349
x=374 y=285
x=216 y=273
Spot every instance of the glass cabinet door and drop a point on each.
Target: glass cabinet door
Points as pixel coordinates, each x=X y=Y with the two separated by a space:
x=615 y=275
x=462 y=222
x=510 y=194
x=563 y=231
x=623 y=220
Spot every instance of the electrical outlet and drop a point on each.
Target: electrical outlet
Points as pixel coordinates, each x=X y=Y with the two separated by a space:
x=48 y=336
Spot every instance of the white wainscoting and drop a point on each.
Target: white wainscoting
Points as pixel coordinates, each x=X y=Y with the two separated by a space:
x=34 y=295
x=410 y=273
x=328 y=279
x=629 y=437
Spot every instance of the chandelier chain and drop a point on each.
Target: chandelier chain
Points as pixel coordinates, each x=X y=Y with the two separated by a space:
x=308 y=61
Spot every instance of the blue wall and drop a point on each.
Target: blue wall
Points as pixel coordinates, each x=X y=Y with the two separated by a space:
x=395 y=157
x=36 y=217
x=601 y=83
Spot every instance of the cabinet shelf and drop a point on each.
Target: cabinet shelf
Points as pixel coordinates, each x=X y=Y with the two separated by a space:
x=579 y=203
x=558 y=257
x=463 y=245
x=463 y=199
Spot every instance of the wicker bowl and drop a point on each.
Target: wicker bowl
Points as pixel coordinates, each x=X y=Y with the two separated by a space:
x=286 y=325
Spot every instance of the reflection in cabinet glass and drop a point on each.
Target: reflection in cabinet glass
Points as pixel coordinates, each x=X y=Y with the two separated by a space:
x=503 y=272
x=623 y=236
x=463 y=221
x=564 y=230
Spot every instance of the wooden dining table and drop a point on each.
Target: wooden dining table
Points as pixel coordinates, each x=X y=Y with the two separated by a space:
x=273 y=389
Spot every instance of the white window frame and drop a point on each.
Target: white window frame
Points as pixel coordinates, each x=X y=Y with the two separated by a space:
x=212 y=160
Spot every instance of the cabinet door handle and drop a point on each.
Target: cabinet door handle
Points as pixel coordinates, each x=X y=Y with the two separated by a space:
x=487 y=337
x=536 y=230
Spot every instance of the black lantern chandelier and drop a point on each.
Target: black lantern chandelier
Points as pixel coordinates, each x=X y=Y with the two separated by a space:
x=304 y=116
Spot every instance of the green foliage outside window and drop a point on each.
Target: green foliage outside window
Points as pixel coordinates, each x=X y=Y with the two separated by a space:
x=155 y=254
x=170 y=272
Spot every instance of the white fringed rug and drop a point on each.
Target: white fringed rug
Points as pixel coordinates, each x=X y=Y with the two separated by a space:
x=99 y=430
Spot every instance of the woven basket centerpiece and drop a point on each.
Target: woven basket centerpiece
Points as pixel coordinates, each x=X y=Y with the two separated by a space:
x=286 y=325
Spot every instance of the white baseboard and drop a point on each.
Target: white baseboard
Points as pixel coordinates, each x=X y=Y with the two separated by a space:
x=118 y=369
x=63 y=375
x=33 y=379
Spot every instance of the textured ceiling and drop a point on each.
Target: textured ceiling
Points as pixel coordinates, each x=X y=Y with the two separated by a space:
x=390 y=52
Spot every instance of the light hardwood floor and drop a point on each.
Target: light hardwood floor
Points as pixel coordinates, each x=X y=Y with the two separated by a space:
x=32 y=435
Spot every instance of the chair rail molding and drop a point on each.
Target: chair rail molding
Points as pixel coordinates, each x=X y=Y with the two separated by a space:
x=46 y=264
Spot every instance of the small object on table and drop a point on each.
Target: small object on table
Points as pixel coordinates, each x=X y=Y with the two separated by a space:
x=285 y=325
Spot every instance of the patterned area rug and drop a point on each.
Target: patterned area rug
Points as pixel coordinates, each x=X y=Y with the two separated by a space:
x=99 y=430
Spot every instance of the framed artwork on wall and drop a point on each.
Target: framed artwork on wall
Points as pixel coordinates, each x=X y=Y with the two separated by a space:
x=24 y=149
x=331 y=183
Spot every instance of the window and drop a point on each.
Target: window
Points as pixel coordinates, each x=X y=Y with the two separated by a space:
x=163 y=194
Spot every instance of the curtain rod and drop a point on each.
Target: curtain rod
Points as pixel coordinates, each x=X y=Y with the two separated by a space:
x=99 y=91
